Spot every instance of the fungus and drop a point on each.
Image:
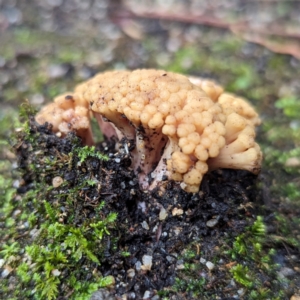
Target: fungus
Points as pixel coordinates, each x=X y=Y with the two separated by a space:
x=181 y=127
x=68 y=112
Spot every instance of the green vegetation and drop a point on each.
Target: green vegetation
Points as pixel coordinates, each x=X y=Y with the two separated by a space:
x=290 y=106
x=219 y=60
x=249 y=258
x=46 y=240
x=87 y=151
x=253 y=236
x=241 y=275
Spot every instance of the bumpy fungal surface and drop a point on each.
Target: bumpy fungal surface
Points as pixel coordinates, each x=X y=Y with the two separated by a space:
x=66 y=113
x=181 y=127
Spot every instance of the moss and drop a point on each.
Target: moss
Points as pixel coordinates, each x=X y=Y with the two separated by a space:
x=67 y=56
x=241 y=275
x=248 y=260
x=60 y=240
x=290 y=106
x=85 y=152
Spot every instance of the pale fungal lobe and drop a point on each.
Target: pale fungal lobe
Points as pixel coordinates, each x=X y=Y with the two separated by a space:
x=181 y=127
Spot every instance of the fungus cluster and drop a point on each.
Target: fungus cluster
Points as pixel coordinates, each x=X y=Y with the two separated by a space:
x=181 y=127
x=68 y=112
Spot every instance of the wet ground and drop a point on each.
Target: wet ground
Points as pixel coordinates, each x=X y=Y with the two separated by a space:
x=198 y=249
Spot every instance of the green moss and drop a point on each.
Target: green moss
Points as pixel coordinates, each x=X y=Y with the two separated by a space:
x=215 y=61
x=67 y=56
x=60 y=243
x=85 y=152
x=193 y=286
x=9 y=250
x=241 y=275
x=250 y=242
x=290 y=106
x=292 y=191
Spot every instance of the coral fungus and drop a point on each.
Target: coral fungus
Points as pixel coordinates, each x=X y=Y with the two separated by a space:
x=181 y=127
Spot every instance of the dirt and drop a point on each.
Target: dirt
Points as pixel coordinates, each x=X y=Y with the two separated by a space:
x=159 y=223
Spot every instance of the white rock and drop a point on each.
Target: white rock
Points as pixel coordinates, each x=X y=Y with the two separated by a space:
x=145 y=225
x=7 y=270
x=146 y=295
x=180 y=267
x=57 y=181
x=209 y=265
x=241 y=292
x=183 y=185
x=138 y=265
x=202 y=260
x=130 y=273
x=162 y=214
x=55 y=272
x=212 y=222
x=17 y=212
x=2 y=261
x=147 y=262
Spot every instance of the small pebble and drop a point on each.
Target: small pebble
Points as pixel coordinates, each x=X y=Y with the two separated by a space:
x=147 y=262
x=180 y=267
x=177 y=211
x=55 y=272
x=170 y=259
x=138 y=265
x=131 y=295
x=209 y=265
x=130 y=273
x=145 y=225
x=202 y=260
x=2 y=261
x=212 y=223
x=7 y=270
x=286 y=272
x=57 y=71
x=241 y=292
x=155 y=228
x=102 y=294
x=183 y=185
x=17 y=212
x=146 y=295
x=162 y=214
x=177 y=230
x=16 y=184
x=57 y=181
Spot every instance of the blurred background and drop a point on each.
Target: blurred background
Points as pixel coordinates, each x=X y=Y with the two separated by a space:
x=48 y=46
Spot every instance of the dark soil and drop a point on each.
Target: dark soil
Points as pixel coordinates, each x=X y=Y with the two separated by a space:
x=225 y=205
